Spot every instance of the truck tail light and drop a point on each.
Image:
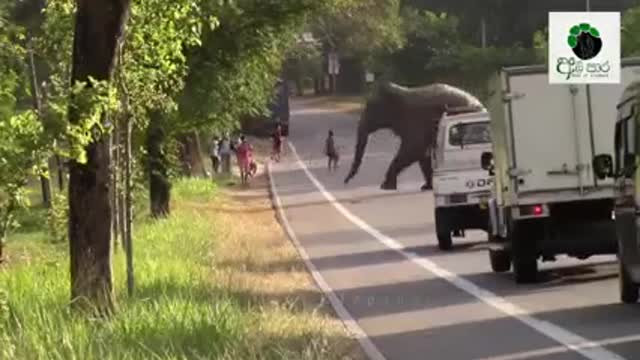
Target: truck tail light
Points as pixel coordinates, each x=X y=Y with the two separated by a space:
x=532 y=210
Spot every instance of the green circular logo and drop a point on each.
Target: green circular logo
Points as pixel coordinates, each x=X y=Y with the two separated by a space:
x=585 y=41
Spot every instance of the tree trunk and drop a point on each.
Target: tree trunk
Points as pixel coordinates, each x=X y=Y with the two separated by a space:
x=299 y=87
x=128 y=205
x=197 y=148
x=99 y=29
x=192 y=157
x=159 y=185
x=37 y=106
x=60 y=170
x=115 y=196
x=122 y=226
x=184 y=155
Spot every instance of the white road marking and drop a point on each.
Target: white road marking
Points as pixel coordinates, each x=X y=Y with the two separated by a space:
x=540 y=353
x=568 y=339
x=350 y=323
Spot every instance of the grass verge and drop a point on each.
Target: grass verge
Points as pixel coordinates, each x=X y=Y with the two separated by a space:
x=216 y=280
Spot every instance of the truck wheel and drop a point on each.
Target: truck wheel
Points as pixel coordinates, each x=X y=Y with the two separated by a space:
x=523 y=240
x=444 y=240
x=500 y=260
x=443 y=232
x=525 y=270
x=628 y=289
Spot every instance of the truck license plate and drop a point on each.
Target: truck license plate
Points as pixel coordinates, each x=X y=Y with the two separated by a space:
x=458 y=198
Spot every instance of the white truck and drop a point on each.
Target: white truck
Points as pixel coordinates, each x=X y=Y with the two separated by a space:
x=546 y=199
x=461 y=188
x=623 y=168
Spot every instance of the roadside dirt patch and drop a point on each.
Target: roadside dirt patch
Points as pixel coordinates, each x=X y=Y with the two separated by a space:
x=261 y=268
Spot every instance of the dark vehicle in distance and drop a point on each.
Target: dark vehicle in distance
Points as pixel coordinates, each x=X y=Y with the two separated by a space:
x=278 y=114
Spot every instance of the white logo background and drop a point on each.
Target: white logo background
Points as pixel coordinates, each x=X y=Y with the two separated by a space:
x=590 y=71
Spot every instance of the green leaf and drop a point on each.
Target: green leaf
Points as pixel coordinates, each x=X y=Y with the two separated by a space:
x=575 y=30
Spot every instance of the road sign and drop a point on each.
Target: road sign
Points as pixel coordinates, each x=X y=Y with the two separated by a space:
x=370 y=77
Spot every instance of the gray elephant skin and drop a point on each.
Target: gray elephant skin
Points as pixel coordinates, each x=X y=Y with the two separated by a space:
x=413 y=115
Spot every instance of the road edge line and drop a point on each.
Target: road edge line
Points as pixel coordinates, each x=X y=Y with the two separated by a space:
x=574 y=342
x=343 y=314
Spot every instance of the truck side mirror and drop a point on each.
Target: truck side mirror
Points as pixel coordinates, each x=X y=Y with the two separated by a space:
x=486 y=161
x=603 y=166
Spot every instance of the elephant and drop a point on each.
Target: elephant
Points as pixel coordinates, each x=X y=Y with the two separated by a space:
x=413 y=115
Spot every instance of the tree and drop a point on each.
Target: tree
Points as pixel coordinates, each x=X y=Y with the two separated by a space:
x=359 y=28
x=99 y=30
x=303 y=61
x=358 y=31
x=23 y=143
x=437 y=51
x=630 y=28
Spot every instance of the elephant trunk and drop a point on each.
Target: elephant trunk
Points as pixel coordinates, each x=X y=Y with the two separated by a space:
x=361 y=145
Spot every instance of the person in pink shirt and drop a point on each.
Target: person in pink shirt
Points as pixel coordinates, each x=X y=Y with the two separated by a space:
x=244 y=152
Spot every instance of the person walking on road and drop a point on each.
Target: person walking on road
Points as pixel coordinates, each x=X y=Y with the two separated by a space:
x=331 y=152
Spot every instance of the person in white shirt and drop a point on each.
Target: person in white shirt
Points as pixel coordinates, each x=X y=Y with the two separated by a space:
x=214 y=153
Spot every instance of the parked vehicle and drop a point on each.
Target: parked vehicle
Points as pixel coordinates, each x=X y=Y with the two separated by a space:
x=461 y=187
x=280 y=108
x=278 y=114
x=546 y=199
x=623 y=168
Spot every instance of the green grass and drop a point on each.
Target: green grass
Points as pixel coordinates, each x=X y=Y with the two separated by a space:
x=176 y=312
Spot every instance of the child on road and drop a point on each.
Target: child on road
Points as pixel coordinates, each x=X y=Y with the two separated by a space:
x=277 y=144
x=331 y=152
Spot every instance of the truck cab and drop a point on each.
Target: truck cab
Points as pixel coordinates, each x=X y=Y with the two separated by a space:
x=622 y=167
x=460 y=186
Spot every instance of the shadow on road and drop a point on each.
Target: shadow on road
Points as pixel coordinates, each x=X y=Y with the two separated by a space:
x=341 y=199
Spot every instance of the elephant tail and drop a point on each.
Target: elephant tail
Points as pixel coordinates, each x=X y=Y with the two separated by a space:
x=361 y=145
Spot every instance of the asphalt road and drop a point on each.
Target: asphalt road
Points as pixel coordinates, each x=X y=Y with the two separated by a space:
x=376 y=253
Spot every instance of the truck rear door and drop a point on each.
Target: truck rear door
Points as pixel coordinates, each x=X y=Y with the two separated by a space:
x=548 y=126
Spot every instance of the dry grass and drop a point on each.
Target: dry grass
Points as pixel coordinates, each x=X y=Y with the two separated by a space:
x=259 y=263
x=256 y=262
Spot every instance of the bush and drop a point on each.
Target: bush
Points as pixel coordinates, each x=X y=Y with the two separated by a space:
x=58 y=217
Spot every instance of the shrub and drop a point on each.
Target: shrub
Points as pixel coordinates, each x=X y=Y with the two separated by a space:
x=57 y=218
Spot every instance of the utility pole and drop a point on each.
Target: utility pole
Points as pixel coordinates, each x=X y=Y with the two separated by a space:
x=483 y=29
x=37 y=106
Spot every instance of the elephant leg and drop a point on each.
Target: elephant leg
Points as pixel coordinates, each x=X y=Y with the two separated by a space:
x=401 y=161
x=427 y=172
